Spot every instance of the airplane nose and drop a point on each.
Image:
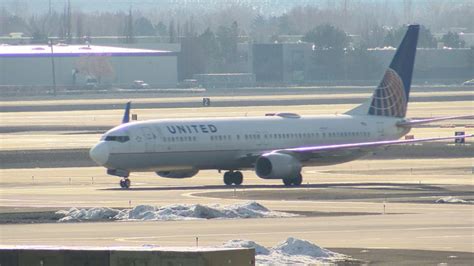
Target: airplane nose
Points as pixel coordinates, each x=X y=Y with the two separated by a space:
x=99 y=153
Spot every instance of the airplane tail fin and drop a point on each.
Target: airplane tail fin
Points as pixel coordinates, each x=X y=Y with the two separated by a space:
x=126 y=113
x=392 y=95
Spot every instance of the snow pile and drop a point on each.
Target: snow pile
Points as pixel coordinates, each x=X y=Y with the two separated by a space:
x=94 y=214
x=292 y=251
x=259 y=250
x=451 y=199
x=173 y=212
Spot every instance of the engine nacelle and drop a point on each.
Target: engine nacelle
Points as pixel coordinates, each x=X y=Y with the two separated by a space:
x=277 y=166
x=178 y=173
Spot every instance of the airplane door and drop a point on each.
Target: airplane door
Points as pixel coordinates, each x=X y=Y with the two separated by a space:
x=149 y=139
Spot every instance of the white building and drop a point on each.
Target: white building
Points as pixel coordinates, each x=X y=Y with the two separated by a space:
x=32 y=65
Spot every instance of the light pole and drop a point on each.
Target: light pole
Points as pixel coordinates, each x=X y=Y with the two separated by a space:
x=52 y=66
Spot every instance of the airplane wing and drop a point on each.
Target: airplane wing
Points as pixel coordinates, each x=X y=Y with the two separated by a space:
x=410 y=123
x=363 y=145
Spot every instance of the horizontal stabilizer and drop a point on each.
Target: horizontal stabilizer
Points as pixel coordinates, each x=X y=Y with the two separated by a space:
x=410 y=123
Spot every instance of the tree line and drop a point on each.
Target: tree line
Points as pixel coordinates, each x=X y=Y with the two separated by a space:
x=209 y=41
x=369 y=19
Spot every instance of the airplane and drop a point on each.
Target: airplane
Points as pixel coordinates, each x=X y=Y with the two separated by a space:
x=275 y=146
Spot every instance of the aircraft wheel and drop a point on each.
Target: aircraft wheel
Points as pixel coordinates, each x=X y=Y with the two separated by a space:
x=238 y=178
x=298 y=180
x=228 y=178
x=125 y=183
x=287 y=181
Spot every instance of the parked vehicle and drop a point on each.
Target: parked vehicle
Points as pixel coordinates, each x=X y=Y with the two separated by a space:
x=468 y=82
x=91 y=83
x=140 y=84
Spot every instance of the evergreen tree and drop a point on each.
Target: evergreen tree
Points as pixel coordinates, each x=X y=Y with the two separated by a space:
x=452 y=39
x=210 y=49
x=143 y=27
x=327 y=36
x=425 y=38
x=160 y=29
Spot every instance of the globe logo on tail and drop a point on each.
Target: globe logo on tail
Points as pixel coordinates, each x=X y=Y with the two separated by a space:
x=389 y=98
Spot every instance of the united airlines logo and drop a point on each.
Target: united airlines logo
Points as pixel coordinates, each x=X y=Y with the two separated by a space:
x=189 y=129
x=389 y=98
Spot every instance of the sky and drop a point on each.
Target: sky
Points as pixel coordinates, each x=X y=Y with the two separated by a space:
x=270 y=6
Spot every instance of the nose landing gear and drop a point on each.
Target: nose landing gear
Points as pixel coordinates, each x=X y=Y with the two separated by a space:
x=124 y=174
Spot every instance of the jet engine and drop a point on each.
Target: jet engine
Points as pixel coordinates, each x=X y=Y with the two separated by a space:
x=178 y=173
x=277 y=166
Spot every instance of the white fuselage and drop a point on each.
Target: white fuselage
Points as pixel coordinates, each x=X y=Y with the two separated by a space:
x=233 y=143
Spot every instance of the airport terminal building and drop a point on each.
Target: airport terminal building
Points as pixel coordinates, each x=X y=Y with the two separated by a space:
x=76 y=66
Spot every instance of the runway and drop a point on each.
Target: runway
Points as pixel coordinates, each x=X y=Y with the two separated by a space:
x=226 y=102
x=425 y=226
x=385 y=203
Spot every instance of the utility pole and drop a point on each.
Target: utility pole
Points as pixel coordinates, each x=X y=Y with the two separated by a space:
x=52 y=66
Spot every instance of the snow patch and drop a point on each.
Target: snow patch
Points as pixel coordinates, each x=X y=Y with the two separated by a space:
x=237 y=243
x=173 y=212
x=290 y=252
x=293 y=246
x=451 y=199
x=93 y=214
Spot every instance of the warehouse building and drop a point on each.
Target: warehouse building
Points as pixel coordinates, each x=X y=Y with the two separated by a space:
x=77 y=66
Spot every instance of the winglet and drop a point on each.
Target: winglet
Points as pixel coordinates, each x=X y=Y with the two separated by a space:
x=413 y=122
x=126 y=114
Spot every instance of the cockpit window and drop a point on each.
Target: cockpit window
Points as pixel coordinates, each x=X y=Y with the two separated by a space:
x=117 y=138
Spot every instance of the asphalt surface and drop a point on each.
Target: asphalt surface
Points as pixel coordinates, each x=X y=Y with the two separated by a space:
x=364 y=192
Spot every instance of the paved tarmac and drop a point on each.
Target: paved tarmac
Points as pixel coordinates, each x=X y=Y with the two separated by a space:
x=383 y=205
x=407 y=225
x=195 y=103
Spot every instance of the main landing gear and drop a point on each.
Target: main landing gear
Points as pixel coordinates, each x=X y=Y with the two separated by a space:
x=125 y=183
x=235 y=178
x=296 y=181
